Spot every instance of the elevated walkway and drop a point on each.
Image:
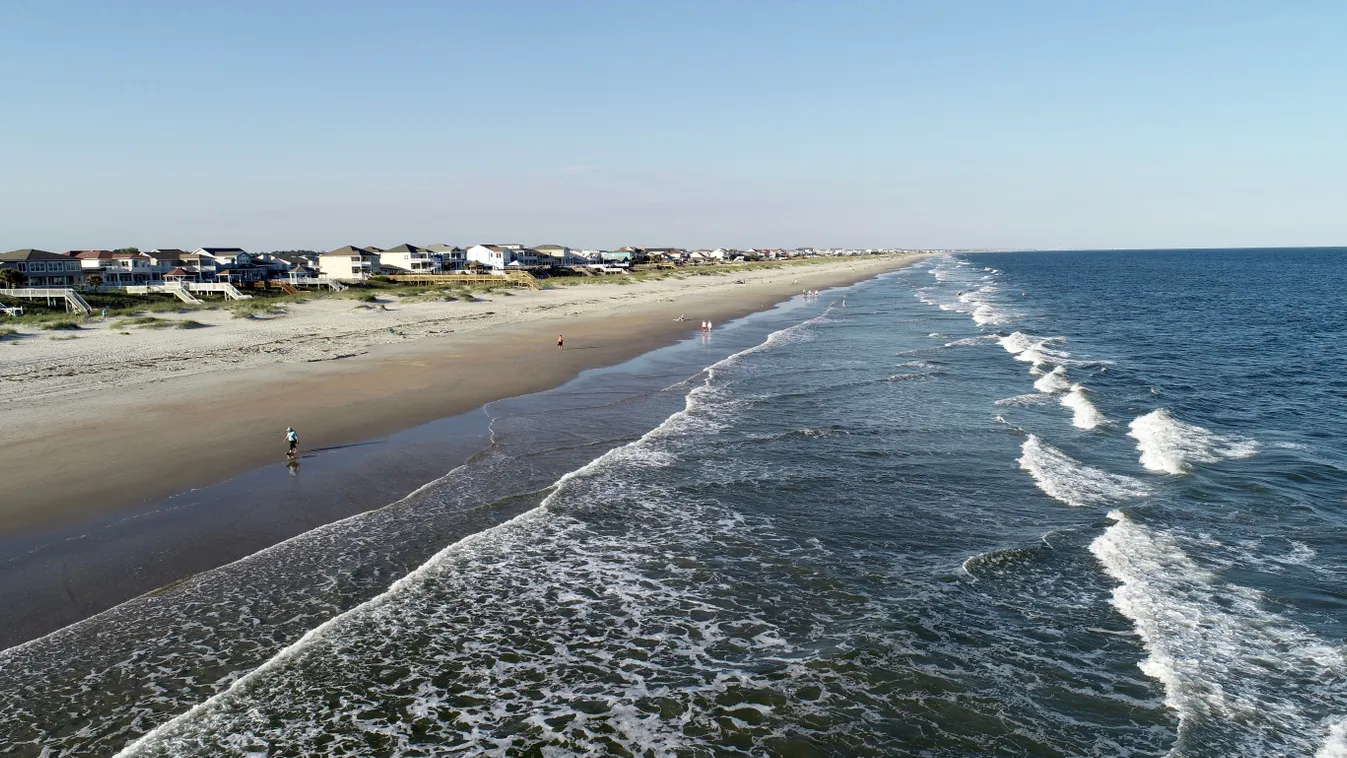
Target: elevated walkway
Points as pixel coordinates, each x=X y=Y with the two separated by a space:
x=178 y=290
x=228 y=290
x=72 y=300
x=516 y=278
x=318 y=281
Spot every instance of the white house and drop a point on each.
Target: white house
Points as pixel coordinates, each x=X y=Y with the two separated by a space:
x=416 y=260
x=494 y=257
x=117 y=268
x=348 y=263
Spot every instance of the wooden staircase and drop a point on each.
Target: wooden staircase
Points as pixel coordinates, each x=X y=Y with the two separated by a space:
x=71 y=298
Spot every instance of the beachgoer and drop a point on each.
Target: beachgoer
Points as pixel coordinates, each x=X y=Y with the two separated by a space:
x=703 y=326
x=105 y=314
x=292 y=437
x=708 y=326
x=560 y=342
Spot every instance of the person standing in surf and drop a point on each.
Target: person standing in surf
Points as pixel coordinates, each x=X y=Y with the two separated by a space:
x=561 y=341
x=292 y=437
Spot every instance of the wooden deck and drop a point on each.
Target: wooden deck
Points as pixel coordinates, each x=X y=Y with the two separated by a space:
x=516 y=278
x=69 y=297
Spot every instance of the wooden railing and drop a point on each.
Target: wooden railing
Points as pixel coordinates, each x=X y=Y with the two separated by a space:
x=71 y=298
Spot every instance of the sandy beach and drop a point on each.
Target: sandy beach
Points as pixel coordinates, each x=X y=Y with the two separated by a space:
x=108 y=421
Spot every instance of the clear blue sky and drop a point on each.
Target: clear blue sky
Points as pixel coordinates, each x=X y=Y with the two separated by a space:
x=768 y=124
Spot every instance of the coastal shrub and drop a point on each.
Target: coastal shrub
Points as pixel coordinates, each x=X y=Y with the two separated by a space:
x=6 y=331
x=367 y=297
x=255 y=309
x=148 y=322
x=64 y=337
x=190 y=324
x=64 y=324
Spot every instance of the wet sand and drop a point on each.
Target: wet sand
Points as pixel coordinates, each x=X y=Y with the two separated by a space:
x=100 y=451
x=166 y=486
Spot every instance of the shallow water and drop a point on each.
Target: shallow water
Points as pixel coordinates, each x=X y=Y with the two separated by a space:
x=1024 y=504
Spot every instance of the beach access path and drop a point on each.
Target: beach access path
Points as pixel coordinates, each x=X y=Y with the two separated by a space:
x=108 y=421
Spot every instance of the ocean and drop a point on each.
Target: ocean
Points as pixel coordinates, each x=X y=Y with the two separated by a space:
x=1039 y=504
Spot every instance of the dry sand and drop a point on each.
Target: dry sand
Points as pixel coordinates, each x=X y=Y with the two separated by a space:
x=108 y=421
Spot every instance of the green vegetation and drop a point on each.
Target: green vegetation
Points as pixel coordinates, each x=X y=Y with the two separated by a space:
x=189 y=324
x=11 y=278
x=6 y=331
x=147 y=322
x=64 y=325
x=257 y=308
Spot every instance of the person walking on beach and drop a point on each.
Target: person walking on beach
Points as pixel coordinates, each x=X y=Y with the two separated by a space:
x=292 y=437
x=561 y=341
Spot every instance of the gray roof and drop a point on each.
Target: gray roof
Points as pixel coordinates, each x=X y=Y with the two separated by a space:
x=350 y=250
x=29 y=254
x=406 y=248
x=225 y=250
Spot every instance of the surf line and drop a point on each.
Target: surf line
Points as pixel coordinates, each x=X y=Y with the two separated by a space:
x=152 y=739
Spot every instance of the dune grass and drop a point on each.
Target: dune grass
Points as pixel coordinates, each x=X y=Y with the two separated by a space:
x=145 y=322
x=62 y=325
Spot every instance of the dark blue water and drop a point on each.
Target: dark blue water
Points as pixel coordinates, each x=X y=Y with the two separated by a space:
x=1012 y=504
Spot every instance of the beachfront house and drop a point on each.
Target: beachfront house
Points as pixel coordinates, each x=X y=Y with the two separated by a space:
x=41 y=268
x=409 y=259
x=349 y=263
x=558 y=255
x=494 y=257
x=295 y=264
x=225 y=256
x=448 y=257
x=621 y=258
x=201 y=266
x=118 y=267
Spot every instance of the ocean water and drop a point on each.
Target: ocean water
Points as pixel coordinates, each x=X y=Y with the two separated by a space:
x=1047 y=504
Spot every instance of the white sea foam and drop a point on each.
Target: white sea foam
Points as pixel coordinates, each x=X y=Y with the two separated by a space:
x=1054 y=381
x=1084 y=414
x=966 y=341
x=541 y=541
x=1335 y=745
x=1171 y=446
x=1066 y=479
x=1033 y=398
x=1036 y=351
x=1242 y=679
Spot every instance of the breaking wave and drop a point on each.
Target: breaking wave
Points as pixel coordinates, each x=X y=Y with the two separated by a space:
x=1242 y=679
x=1053 y=382
x=1084 y=414
x=1066 y=479
x=1171 y=446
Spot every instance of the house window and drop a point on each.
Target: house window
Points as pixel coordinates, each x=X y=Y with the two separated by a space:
x=37 y=267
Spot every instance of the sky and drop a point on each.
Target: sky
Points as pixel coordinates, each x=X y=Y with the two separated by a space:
x=944 y=124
